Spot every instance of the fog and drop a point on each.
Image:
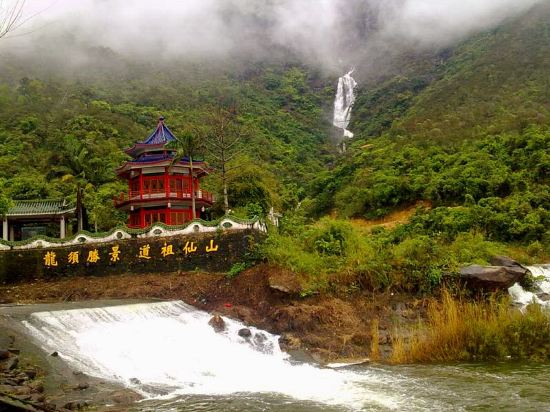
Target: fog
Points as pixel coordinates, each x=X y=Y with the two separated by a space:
x=326 y=32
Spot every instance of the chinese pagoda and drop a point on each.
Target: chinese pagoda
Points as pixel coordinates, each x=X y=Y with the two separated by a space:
x=159 y=191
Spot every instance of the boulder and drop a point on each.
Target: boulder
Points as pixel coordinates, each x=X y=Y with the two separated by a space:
x=284 y=281
x=217 y=323
x=503 y=261
x=76 y=405
x=491 y=278
x=81 y=386
x=288 y=342
x=260 y=338
x=125 y=397
x=4 y=354
x=12 y=363
x=30 y=373
x=245 y=333
x=37 y=386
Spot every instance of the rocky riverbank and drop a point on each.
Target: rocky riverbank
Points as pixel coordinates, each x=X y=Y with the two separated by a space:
x=21 y=388
x=345 y=324
x=31 y=380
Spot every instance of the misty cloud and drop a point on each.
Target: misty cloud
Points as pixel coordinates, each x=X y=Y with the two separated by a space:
x=329 y=32
x=441 y=22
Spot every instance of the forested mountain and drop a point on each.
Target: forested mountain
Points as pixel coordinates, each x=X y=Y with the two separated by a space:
x=464 y=127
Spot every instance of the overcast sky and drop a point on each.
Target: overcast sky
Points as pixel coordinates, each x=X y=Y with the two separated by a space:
x=324 y=30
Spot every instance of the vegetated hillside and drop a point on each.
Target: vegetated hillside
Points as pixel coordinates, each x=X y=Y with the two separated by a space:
x=471 y=134
x=58 y=131
x=493 y=82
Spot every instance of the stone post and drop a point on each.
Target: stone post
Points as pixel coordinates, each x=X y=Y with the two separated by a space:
x=62 y=228
x=5 y=229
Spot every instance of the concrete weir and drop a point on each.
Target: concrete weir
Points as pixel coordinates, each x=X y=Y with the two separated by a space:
x=59 y=380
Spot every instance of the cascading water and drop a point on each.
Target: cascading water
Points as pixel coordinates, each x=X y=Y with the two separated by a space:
x=168 y=349
x=541 y=290
x=343 y=103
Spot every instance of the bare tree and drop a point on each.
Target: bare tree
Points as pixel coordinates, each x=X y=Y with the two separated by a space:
x=223 y=139
x=11 y=16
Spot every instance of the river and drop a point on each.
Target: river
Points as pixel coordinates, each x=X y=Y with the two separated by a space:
x=167 y=352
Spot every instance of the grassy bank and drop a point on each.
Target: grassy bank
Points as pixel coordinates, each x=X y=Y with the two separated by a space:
x=461 y=330
x=338 y=254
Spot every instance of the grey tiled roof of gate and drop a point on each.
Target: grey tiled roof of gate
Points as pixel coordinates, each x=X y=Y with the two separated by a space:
x=40 y=207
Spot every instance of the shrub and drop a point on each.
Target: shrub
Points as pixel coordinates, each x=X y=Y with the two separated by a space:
x=236 y=269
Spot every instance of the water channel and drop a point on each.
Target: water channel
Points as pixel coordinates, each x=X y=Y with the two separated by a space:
x=168 y=353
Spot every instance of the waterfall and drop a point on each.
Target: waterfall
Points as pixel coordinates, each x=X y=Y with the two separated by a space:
x=541 y=290
x=167 y=349
x=343 y=103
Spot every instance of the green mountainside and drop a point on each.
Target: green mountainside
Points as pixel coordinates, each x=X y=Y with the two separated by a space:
x=469 y=134
x=465 y=128
x=57 y=133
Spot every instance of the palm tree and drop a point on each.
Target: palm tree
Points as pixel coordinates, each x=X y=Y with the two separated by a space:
x=188 y=144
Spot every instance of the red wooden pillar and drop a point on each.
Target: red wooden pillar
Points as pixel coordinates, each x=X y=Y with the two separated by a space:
x=141 y=185
x=166 y=183
x=141 y=218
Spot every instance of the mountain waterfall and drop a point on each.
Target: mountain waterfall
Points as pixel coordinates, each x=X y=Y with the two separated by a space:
x=343 y=103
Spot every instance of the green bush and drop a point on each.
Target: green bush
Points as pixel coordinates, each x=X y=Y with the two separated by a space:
x=236 y=269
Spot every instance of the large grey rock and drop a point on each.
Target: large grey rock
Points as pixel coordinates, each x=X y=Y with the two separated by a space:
x=503 y=261
x=491 y=278
x=245 y=333
x=284 y=281
x=12 y=363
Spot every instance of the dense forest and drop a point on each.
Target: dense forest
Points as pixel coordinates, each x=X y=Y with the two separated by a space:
x=465 y=129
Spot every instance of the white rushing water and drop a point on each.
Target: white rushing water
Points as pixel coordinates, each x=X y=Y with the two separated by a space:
x=168 y=349
x=343 y=103
x=541 y=290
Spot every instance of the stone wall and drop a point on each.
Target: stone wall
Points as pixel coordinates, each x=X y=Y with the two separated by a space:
x=212 y=252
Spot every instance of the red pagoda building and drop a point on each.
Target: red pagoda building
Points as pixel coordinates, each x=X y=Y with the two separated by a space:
x=156 y=191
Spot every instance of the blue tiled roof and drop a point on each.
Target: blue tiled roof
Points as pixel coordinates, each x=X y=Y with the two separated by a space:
x=161 y=135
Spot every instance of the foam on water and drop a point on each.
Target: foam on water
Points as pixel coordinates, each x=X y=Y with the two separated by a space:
x=541 y=293
x=171 y=350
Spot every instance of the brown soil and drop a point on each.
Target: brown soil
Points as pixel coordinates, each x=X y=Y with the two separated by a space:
x=328 y=327
x=393 y=219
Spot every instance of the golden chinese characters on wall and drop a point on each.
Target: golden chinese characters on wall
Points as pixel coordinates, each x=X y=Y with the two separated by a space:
x=114 y=253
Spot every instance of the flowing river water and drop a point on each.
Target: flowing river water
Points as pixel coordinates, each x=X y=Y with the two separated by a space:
x=167 y=352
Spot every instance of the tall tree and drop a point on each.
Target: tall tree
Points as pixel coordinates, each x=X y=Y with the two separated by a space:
x=11 y=16
x=223 y=143
x=5 y=204
x=79 y=165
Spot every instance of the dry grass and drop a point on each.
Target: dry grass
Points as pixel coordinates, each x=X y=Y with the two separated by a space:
x=458 y=329
x=374 y=344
